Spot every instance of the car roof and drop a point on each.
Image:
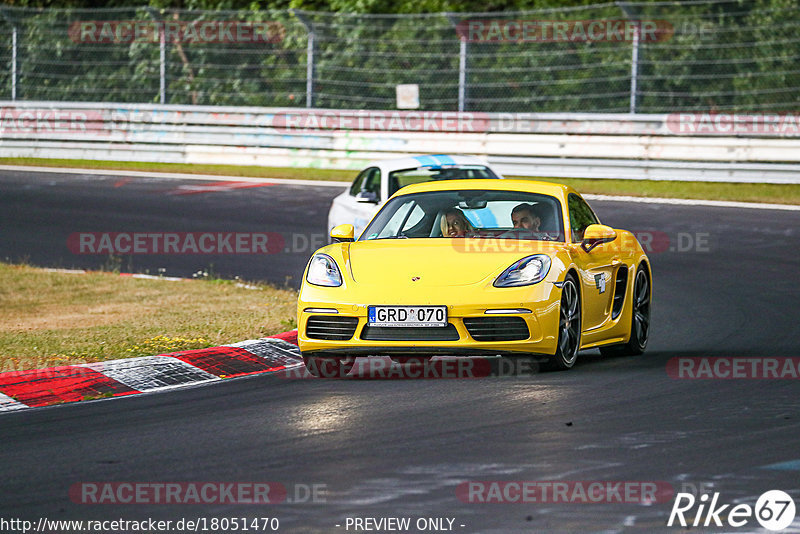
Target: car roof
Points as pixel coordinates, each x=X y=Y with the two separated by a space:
x=529 y=186
x=436 y=160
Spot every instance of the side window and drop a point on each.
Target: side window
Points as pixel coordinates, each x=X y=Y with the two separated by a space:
x=358 y=182
x=367 y=180
x=580 y=216
x=372 y=183
x=398 y=219
x=414 y=218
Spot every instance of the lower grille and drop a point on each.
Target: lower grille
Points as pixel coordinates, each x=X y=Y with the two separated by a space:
x=331 y=327
x=497 y=328
x=391 y=333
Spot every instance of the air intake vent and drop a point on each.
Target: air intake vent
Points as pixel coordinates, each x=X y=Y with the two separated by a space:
x=331 y=327
x=387 y=333
x=497 y=328
x=619 y=292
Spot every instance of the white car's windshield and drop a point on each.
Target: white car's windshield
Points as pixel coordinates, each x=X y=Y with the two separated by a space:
x=402 y=178
x=469 y=213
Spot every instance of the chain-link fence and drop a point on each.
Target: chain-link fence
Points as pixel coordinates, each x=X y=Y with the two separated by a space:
x=646 y=57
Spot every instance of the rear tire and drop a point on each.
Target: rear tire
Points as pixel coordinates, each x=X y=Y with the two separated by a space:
x=328 y=366
x=569 y=327
x=640 y=319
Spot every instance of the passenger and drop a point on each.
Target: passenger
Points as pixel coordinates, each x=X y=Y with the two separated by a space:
x=524 y=216
x=455 y=224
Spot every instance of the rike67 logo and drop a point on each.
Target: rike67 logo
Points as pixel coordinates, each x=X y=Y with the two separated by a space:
x=774 y=510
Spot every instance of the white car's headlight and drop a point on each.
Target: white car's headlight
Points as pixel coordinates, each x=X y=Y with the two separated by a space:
x=524 y=272
x=323 y=271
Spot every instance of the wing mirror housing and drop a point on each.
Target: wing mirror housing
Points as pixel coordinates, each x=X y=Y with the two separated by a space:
x=596 y=234
x=367 y=197
x=343 y=233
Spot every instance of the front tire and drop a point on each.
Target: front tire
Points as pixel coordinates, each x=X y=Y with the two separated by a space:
x=329 y=367
x=569 y=327
x=640 y=319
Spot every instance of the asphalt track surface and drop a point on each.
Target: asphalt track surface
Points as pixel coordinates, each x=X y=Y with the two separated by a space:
x=400 y=448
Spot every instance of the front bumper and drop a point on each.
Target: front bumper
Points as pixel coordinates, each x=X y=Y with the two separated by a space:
x=460 y=339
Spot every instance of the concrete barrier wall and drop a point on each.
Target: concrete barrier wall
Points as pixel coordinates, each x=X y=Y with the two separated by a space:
x=708 y=147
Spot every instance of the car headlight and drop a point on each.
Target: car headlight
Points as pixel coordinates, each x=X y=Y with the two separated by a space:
x=323 y=271
x=524 y=272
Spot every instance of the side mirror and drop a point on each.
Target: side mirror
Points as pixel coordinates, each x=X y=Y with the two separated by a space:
x=367 y=197
x=595 y=234
x=343 y=233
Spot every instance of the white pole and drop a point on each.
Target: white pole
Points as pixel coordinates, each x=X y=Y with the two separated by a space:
x=14 y=64
x=310 y=71
x=634 y=66
x=163 y=66
x=462 y=74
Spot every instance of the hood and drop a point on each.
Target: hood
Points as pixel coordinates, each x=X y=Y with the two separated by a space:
x=438 y=261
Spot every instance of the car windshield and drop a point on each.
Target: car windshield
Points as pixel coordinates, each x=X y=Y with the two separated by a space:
x=402 y=178
x=469 y=213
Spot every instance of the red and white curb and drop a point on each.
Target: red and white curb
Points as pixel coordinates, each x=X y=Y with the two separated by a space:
x=116 y=378
x=138 y=275
x=130 y=275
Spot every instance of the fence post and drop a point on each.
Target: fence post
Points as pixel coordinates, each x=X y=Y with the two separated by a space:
x=634 y=68
x=309 y=26
x=634 y=55
x=162 y=71
x=13 y=53
x=462 y=64
x=162 y=56
x=462 y=75
x=14 y=64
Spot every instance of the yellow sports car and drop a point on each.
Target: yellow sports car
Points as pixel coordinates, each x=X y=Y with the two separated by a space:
x=475 y=267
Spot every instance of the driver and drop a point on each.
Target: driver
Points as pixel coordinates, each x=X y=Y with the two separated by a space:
x=524 y=216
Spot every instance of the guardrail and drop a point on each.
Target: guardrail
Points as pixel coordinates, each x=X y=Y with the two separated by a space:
x=689 y=146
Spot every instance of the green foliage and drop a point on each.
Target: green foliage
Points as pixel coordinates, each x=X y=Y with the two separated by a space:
x=730 y=55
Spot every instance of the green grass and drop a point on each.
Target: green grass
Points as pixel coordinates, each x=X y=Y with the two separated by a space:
x=51 y=318
x=248 y=171
x=770 y=193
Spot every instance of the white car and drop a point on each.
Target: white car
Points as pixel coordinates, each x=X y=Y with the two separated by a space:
x=374 y=185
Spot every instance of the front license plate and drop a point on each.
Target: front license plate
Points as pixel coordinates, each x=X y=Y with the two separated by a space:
x=432 y=316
